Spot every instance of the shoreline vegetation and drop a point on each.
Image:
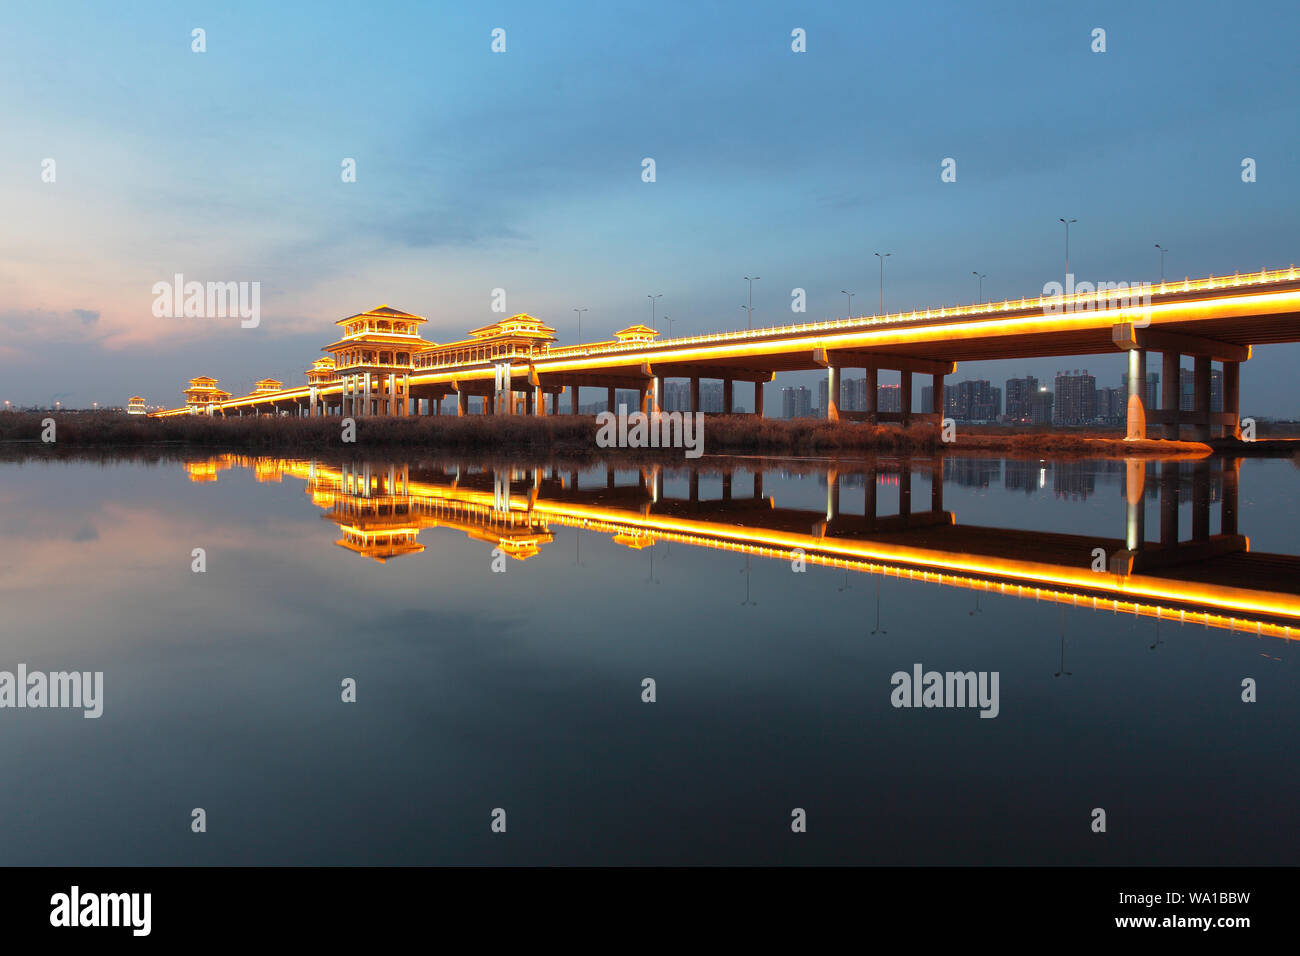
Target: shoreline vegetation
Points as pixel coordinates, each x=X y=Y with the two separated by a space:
x=575 y=436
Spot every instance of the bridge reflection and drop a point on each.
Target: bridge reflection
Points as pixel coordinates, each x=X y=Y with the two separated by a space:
x=1209 y=578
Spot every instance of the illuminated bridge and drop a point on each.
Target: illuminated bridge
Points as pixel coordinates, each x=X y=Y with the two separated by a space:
x=1212 y=579
x=381 y=365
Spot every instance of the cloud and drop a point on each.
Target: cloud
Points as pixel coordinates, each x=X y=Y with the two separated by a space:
x=87 y=316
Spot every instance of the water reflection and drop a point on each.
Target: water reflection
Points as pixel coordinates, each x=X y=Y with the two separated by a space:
x=382 y=509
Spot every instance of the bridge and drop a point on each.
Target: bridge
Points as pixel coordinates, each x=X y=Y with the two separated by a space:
x=1211 y=579
x=381 y=365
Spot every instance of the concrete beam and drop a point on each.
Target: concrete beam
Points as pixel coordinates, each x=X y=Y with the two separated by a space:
x=1128 y=336
x=851 y=358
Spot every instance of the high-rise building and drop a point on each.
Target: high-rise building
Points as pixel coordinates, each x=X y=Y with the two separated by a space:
x=1076 y=398
x=1112 y=406
x=888 y=398
x=1187 y=390
x=802 y=402
x=1040 y=407
x=1019 y=392
x=1151 y=396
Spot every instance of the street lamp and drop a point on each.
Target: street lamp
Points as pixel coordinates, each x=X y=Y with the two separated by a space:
x=670 y=326
x=580 y=311
x=1163 y=250
x=882 y=279
x=652 y=308
x=749 y=323
x=850 y=295
x=981 y=286
x=1067 y=243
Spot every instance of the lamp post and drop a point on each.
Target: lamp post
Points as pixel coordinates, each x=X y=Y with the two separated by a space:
x=1067 y=242
x=981 y=279
x=670 y=326
x=882 y=259
x=749 y=322
x=652 y=308
x=1163 y=250
x=850 y=295
x=580 y=311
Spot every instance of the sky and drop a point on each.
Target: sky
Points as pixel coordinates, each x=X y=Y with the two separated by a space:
x=522 y=170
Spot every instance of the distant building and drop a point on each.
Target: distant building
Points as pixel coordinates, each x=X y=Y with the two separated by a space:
x=1151 y=396
x=1187 y=390
x=796 y=402
x=1112 y=406
x=1019 y=393
x=135 y=406
x=889 y=398
x=1040 y=407
x=1076 y=398
x=974 y=400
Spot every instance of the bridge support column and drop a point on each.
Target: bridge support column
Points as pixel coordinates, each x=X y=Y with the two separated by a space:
x=573 y=399
x=1201 y=385
x=657 y=405
x=489 y=404
x=643 y=399
x=870 y=403
x=832 y=493
x=728 y=389
x=937 y=403
x=905 y=487
x=905 y=398
x=462 y=403
x=1228 y=507
x=539 y=401
x=611 y=399
x=936 y=483
x=758 y=400
x=695 y=394
x=1232 y=399
x=1168 y=504
x=1169 y=393
x=1201 y=499
x=758 y=483
x=726 y=485
x=1137 y=383
x=832 y=395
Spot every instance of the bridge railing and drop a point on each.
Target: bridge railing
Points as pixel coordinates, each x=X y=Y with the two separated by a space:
x=922 y=315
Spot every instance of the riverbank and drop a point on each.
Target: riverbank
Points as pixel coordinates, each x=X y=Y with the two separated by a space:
x=575 y=436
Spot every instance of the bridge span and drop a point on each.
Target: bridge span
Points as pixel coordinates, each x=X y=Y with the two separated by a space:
x=382 y=366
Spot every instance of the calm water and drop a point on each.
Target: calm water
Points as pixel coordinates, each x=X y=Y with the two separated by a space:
x=522 y=689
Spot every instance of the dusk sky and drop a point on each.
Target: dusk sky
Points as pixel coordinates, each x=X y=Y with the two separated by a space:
x=522 y=170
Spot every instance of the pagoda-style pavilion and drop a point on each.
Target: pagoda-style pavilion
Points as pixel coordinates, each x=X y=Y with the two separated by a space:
x=636 y=333
x=203 y=392
x=135 y=406
x=374 y=358
x=322 y=371
x=267 y=386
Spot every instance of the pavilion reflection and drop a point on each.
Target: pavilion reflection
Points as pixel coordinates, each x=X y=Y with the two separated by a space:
x=1214 y=579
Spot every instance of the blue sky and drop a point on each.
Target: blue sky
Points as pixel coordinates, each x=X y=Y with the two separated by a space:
x=522 y=170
